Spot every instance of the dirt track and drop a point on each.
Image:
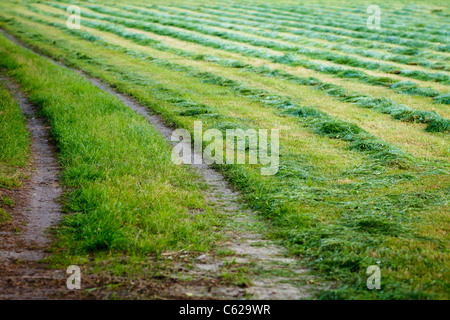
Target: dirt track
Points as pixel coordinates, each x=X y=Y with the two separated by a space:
x=36 y=209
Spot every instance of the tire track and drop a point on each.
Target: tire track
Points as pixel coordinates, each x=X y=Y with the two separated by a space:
x=275 y=275
x=37 y=209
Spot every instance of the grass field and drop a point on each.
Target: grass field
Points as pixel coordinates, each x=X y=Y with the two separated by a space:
x=363 y=114
x=14 y=150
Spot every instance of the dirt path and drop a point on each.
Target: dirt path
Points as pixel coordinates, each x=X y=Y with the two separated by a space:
x=36 y=209
x=273 y=275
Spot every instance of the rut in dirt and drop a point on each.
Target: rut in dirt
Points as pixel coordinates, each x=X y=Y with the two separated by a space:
x=36 y=210
x=279 y=276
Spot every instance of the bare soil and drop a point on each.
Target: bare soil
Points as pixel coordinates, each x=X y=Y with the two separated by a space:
x=24 y=241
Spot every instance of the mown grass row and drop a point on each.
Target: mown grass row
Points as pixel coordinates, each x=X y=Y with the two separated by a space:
x=272 y=31
x=14 y=148
x=318 y=121
x=336 y=12
x=408 y=56
x=420 y=23
x=339 y=233
x=395 y=36
x=195 y=25
x=371 y=43
x=126 y=193
x=436 y=123
x=413 y=56
x=288 y=59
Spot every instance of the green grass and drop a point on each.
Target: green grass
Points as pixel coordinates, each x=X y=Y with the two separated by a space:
x=268 y=98
x=14 y=141
x=319 y=20
x=307 y=44
x=125 y=192
x=5 y=217
x=7 y=201
x=436 y=123
x=285 y=30
x=14 y=150
x=292 y=54
x=338 y=208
